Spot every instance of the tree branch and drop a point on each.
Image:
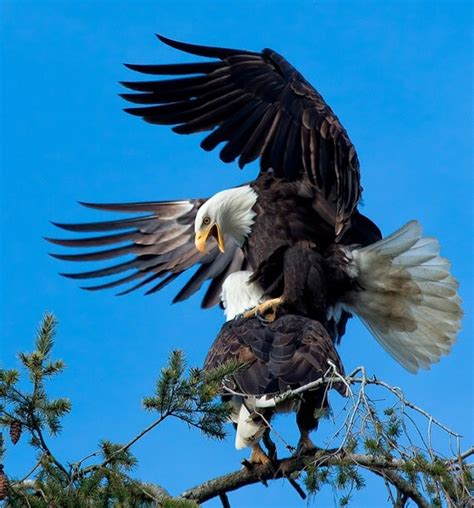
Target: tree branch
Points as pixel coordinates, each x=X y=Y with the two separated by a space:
x=285 y=467
x=38 y=434
x=369 y=438
x=331 y=377
x=405 y=488
x=378 y=462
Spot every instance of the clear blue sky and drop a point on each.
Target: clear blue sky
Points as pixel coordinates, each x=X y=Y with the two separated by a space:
x=399 y=76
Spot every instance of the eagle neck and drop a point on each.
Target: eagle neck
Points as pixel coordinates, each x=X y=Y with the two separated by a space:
x=236 y=213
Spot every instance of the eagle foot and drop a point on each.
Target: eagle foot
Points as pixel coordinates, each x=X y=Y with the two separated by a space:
x=305 y=444
x=258 y=456
x=267 y=310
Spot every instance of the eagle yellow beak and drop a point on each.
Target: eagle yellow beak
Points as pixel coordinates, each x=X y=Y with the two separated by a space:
x=201 y=237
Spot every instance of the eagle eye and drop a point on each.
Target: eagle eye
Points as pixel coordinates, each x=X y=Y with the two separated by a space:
x=206 y=221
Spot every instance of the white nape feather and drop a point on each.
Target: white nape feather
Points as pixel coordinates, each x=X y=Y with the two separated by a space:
x=239 y=295
x=233 y=210
x=409 y=299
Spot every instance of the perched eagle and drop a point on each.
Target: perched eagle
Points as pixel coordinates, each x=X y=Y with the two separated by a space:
x=286 y=354
x=306 y=192
x=401 y=289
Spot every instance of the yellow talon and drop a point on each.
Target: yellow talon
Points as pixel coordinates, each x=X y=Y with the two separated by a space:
x=258 y=456
x=267 y=309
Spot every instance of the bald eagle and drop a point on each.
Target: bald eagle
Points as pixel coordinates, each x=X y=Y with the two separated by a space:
x=400 y=287
x=296 y=227
x=306 y=193
x=286 y=354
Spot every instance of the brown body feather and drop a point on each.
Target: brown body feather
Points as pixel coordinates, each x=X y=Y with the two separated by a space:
x=286 y=354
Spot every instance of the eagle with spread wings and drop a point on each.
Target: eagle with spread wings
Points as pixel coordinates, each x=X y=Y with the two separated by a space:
x=296 y=227
x=292 y=241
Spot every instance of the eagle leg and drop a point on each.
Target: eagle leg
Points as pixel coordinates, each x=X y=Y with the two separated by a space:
x=304 y=444
x=268 y=309
x=258 y=456
x=269 y=445
x=307 y=418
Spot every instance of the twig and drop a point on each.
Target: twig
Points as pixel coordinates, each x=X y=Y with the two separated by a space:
x=278 y=398
x=390 y=494
x=298 y=489
x=277 y=434
x=124 y=448
x=39 y=435
x=36 y=466
x=78 y=464
x=407 y=489
x=461 y=456
x=224 y=500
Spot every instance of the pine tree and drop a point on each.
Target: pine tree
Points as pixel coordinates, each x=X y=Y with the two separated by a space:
x=373 y=438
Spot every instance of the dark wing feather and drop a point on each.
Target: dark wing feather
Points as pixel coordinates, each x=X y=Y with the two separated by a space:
x=162 y=246
x=302 y=353
x=286 y=354
x=247 y=342
x=261 y=107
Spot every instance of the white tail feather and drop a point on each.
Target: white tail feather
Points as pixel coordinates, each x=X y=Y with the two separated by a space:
x=245 y=413
x=249 y=430
x=409 y=299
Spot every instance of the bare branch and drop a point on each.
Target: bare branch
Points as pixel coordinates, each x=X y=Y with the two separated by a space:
x=36 y=466
x=224 y=500
x=348 y=380
x=285 y=467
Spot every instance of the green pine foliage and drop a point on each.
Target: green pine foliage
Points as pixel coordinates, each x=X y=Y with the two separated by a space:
x=343 y=478
x=192 y=399
x=189 y=395
x=381 y=436
x=104 y=478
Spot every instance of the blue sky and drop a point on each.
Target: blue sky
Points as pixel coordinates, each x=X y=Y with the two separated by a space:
x=398 y=75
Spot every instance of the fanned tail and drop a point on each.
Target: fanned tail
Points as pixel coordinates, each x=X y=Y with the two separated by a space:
x=408 y=298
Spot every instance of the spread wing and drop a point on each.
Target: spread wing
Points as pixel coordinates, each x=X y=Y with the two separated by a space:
x=291 y=352
x=161 y=243
x=260 y=107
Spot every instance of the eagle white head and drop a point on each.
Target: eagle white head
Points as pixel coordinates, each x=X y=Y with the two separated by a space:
x=227 y=214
